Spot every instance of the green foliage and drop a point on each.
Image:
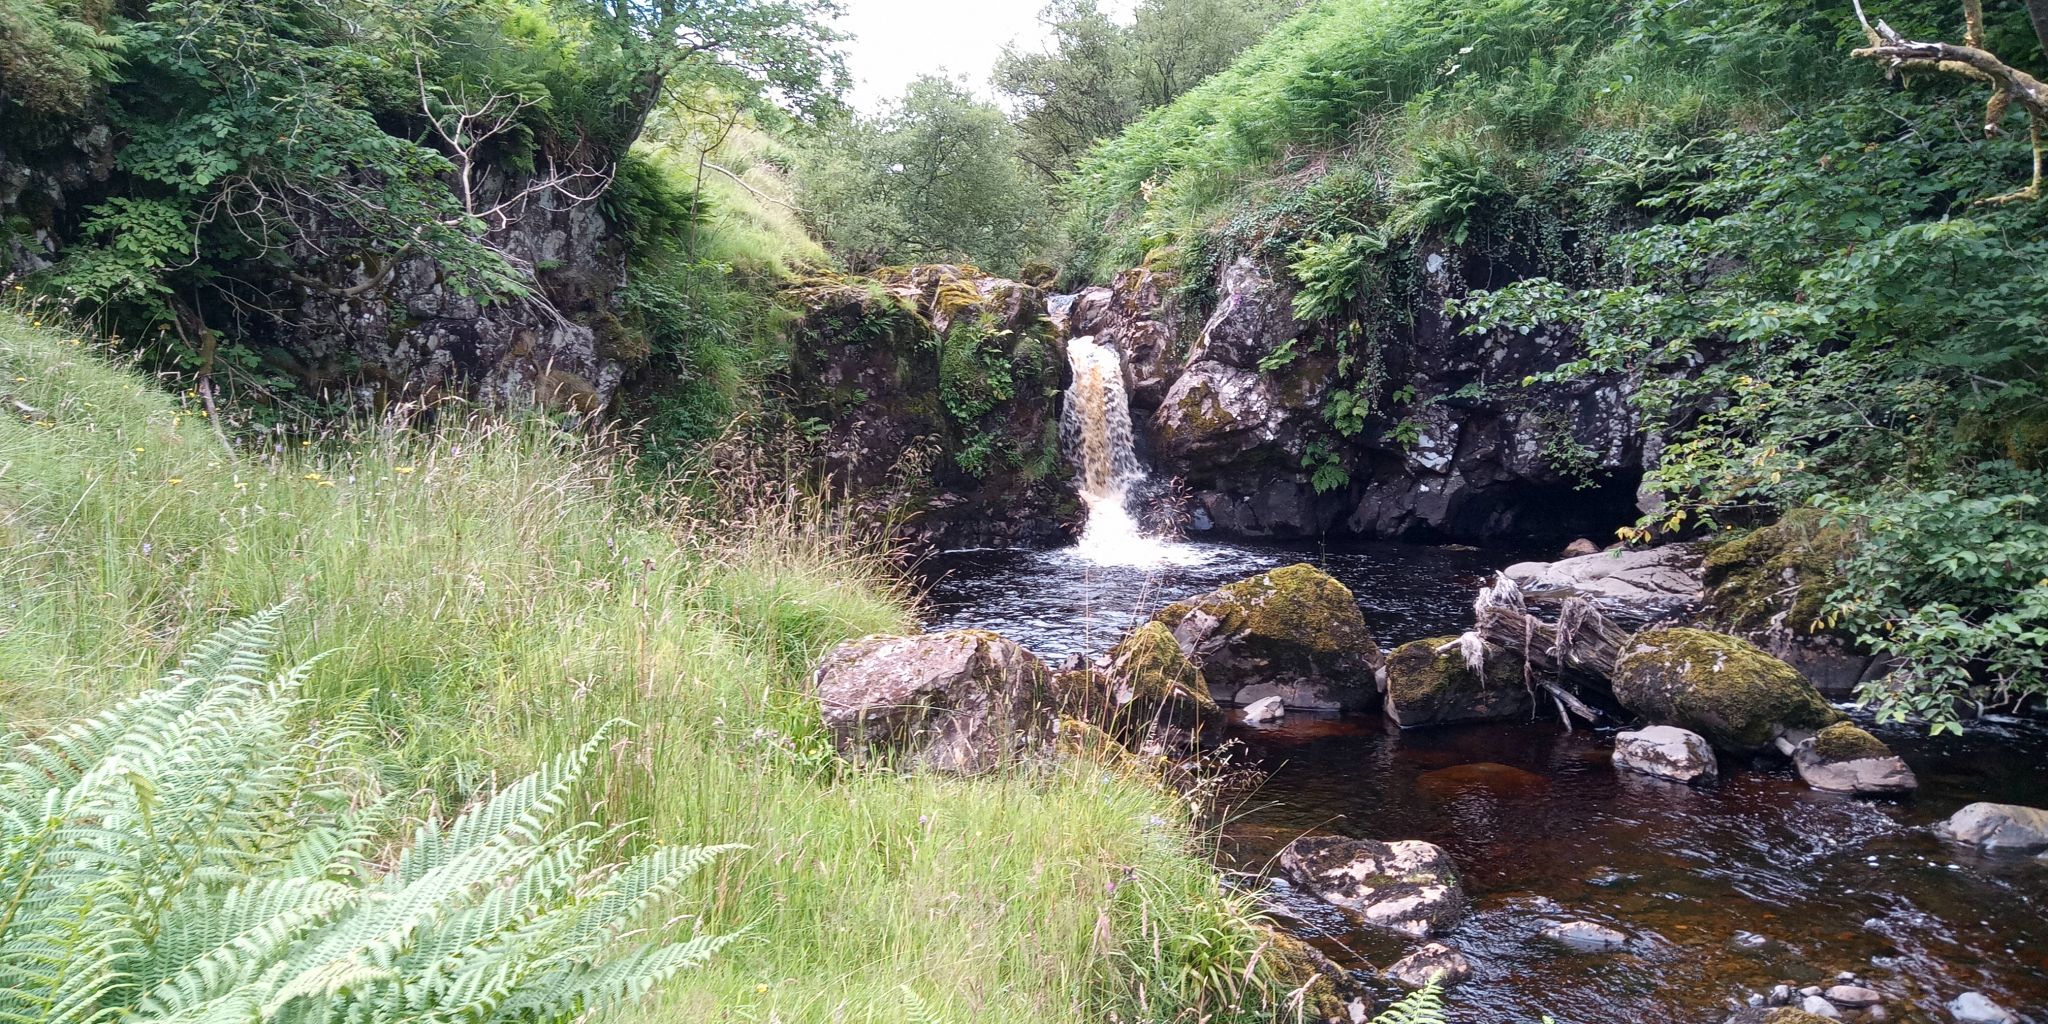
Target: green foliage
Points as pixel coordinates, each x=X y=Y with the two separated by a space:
x=935 y=178
x=1335 y=273
x=1873 y=343
x=54 y=55
x=1425 y=1005
x=192 y=854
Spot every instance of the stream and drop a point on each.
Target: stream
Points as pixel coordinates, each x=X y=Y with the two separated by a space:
x=1724 y=891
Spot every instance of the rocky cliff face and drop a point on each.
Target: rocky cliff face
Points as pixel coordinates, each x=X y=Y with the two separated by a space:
x=932 y=395
x=1454 y=446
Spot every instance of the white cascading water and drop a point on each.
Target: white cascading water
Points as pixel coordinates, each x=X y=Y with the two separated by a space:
x=1095 y=429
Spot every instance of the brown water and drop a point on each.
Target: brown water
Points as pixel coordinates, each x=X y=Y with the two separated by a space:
x=1723 y=891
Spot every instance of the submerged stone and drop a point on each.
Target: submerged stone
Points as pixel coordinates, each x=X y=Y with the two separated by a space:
x=1977 y=1008
x=1990 y=826
x=1585 y=935
x=1722 y=687
x=1435 y=962
x=1294 y=633
x=1430 y=682
x=1406 y=886
x=1498 y=780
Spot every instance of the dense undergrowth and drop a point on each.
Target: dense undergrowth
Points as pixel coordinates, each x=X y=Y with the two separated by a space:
x=490 y=596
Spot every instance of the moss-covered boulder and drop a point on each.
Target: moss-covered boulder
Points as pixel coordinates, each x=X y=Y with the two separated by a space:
x=1293 y=632
x=1149 y=694
x=1771 y=585
x=1843 y=758
x=1722 y=687
x=1430 y=682
x=962 y=701
x=1289 y=966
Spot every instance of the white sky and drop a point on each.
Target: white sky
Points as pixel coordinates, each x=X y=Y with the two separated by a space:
x=898 y=40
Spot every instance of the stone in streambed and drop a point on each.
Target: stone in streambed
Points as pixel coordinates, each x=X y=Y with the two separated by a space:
x=1843 y=758
x=1327 y=993
x=1585 y=935
x=1265 y=709
x=1294 y=633
x=1435 y=962
x=1820 y=1007
x=1406 y=886
x=1431 y=682
x=960 y=701
x=1853 y=997
x=1722 y=687
x=2007 y=827
x=1152 y=695
x=1666 y=752
x=1976 y=1008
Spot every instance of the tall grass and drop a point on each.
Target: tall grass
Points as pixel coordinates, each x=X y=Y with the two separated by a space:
x=492 y=593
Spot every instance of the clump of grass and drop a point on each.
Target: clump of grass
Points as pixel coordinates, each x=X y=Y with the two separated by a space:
x=492 y=593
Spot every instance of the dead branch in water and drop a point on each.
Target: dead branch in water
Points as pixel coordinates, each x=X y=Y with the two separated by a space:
x=1581 y=648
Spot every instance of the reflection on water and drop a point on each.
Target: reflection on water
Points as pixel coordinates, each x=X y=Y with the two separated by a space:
x=1723 y=891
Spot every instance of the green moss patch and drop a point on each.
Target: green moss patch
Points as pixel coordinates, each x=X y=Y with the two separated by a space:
x=1844 y=741
x=1720 y=686
x=1788 y=568
x=1425 y=687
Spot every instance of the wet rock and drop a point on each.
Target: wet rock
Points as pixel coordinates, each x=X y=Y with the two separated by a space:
x=1976 y=1008
x=1666 y=752
x=1820 y=1007
x=1630 y=584
x=1434 y=962
x=1853 y=997
x=1843 y=758
x=1405 y=886
x=2007 y=827
x=1154 y=695
x=1585 y=935
x=1781 y=995
x=1582 y=546
x=961 y=701
x=1294 y=633
x=1327 y=992
x=1433 y=682
x=1719 y=686
x=1265 y=709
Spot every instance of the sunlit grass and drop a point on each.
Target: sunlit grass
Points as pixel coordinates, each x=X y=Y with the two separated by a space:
x=492 y=593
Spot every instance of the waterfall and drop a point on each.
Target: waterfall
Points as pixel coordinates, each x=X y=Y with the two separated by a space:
x=1095 y=430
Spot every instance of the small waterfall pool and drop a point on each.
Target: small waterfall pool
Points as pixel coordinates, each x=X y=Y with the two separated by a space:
x=1725 y=891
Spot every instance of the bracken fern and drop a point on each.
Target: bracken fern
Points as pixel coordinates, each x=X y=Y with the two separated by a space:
x=195 y=854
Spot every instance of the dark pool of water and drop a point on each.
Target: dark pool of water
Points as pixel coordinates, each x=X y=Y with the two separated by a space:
x=1724 y=890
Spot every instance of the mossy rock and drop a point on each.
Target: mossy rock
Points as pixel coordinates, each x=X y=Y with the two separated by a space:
x=1289 y=965
x=1082 y=741
x=1150 y=695
x=1782 y=573
x=1295 y=632
x=1425 y=687
x=1722 y=687
x=1845 y=741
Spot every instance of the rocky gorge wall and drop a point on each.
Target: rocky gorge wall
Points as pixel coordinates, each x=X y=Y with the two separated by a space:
x=1455 y=447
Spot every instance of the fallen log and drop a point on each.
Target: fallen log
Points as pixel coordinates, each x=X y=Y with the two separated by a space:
x=1581 y=648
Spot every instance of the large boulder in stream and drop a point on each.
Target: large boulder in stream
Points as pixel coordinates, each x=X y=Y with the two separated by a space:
x=961 y=701
x=1722 y=687
x=1149 y=693
x=1407 y=886
x=1633 y=585
x=2006 y=827
x=1666 y=752
x=1843 y=758
x=1294 y=633
x=1432 y=682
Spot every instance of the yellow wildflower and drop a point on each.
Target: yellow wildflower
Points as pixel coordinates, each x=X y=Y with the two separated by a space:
x=406 y=470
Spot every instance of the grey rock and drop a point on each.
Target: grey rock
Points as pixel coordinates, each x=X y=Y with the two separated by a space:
x=1819 y=1007
x=1434 y=962
x=1781 y=995
x=1976 y=1008
x=1853 y=997
x=1667 y=752
x=2007 y=827
x=962 y=701
x=1867 y=766
x=1265 y=709
x=1585 y=935
x=1407 y=886
x=1294 y=632
x=1635 y=584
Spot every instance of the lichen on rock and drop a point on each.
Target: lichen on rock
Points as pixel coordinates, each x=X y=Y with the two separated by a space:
x=1720 y=686
x=1149 y=693
x=962 y=701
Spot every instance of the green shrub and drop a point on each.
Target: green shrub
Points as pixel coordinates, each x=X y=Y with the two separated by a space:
x=194 y=854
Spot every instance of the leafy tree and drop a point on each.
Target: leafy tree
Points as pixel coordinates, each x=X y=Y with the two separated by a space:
x=935 y=177
x=194 y=855
x=1099 y=75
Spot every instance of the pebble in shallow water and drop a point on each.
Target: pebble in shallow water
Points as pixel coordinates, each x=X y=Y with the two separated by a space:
x=1585 y=935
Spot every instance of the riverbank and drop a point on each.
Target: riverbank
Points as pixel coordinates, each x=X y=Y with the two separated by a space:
x=490 y=594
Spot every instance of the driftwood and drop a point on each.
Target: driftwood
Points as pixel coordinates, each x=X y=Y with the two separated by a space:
x=1581 y=648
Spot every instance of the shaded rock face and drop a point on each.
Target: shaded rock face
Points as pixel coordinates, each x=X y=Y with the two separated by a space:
x=1294 y=633
x=1479 y=456
x=1843 y=758
x=1430 y=683
x=1722 y=687
x=1666 y=752
x=893 y=372
x=1406 y=886
x=963 y=701
x=2007 y=827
